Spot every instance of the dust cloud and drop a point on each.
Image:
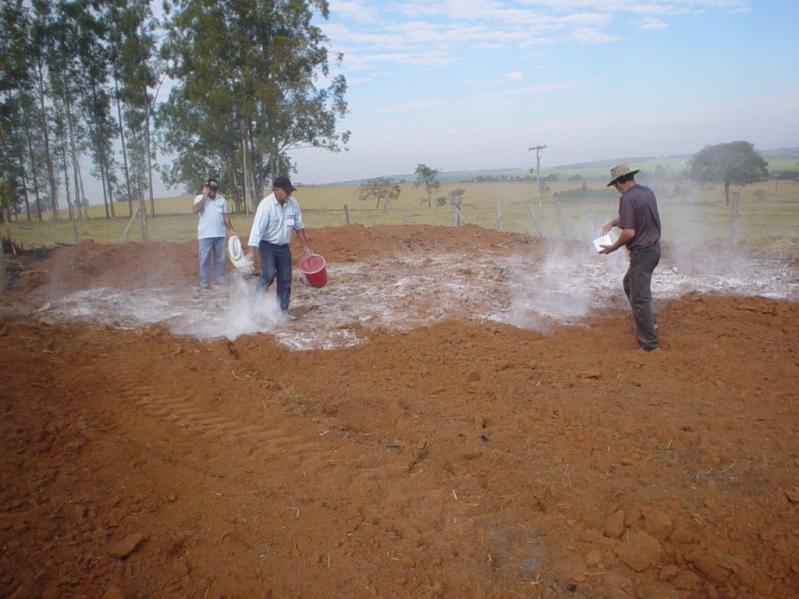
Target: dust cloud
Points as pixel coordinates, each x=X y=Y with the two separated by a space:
x=535 y=291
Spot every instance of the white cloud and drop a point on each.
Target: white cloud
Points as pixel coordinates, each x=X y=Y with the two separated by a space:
x=650 y=23
x=586 y=35
x=357 y=10
x=514 y=76
x=654 y=7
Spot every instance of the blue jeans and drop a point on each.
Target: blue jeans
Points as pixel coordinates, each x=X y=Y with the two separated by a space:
x=217 y=246
x=276 y=263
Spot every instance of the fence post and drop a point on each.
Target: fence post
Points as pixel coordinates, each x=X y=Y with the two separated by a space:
x=498 y=206
x=560 y=220
x=457 y=214
x=533 y=220
x=127 y=228
x=346 y=214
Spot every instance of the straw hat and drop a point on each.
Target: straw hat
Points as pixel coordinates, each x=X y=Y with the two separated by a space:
x=618 y=171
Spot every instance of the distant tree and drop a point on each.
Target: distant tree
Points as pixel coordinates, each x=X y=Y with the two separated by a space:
x=456 y=196
x=734 y=163
x=441 y=201
x=380 y=189
x=456 y=199
x=662 y=172
x=429 y=178
x=552 y=177
x=575 y=178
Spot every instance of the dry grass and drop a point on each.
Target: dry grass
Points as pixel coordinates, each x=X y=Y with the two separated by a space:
x=768 y=210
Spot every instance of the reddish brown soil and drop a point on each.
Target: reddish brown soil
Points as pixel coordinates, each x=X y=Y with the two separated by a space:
x=464 y=459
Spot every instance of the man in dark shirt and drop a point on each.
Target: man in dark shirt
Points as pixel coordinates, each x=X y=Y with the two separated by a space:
x=639 y=222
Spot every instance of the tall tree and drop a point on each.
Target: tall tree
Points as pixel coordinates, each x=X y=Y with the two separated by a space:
x=134 y=55
x=14 y=67
x=734 y=163
x=40 y=45
x=427 y=177
x=20 y=115
x=246 y=89
x=89 y=38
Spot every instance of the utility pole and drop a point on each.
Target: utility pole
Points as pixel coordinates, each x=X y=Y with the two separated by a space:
x=537 y=150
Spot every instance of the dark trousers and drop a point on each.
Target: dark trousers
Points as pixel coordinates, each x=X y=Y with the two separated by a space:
x=637 y=286
x=276 y=263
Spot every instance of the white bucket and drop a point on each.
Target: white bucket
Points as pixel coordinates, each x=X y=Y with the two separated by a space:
x=235 y=253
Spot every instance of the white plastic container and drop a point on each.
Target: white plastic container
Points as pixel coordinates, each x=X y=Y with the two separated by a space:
x=608 y=239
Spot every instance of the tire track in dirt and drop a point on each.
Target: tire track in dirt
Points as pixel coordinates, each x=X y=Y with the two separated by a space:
x=285 y=439
x=371 y=488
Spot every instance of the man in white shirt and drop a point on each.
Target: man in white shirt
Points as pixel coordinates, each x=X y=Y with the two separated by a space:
x=277 y=215
x=212 y=224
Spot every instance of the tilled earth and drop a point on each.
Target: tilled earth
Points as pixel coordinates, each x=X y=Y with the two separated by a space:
x=457 y=456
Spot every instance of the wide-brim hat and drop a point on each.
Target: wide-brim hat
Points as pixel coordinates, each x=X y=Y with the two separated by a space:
x=619 y=171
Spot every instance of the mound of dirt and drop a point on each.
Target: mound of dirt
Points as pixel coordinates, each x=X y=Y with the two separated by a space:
x=463 y=458
x=88 y=264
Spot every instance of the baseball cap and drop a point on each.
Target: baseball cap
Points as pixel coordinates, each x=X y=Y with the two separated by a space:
x=283 y=183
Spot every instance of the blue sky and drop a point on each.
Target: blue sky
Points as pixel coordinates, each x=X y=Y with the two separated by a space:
x=471 y=84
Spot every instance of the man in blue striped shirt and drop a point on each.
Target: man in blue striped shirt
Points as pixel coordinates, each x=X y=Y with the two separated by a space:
x=277 y=215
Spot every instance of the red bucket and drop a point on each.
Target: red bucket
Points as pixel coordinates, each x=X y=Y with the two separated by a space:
x=314 y=269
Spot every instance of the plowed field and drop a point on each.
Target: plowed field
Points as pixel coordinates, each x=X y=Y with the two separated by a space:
x=458 y=413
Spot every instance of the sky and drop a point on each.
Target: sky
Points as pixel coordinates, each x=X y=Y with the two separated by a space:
x=473 y=84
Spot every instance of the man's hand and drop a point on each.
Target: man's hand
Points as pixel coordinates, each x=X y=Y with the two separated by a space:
x=308 y=251
x=606 y=249
x=607 y=227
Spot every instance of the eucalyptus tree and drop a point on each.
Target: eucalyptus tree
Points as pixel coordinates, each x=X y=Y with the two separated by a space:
x=135 y=71
x=21 y=118
x=42 y=26
x=61 y=147
x=13 y=82
x=76 y=67
x=250 y=71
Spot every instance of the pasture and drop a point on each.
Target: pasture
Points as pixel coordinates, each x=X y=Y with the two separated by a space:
x=768 y=211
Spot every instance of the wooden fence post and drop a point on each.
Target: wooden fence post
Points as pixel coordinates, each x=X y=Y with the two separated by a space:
x=127 y=227
x=498 y=206
x=457 y=214
x=533 y=220
x=560 y=220
x=346 y=214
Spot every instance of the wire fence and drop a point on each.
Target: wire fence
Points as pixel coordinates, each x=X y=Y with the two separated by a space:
x=684 y=219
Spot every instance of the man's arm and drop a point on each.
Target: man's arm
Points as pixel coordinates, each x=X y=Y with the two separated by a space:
x=626 y=235
x=198 y=207
x=304 y=239
x=228 y=224
x=609 y=225
x=255 y=232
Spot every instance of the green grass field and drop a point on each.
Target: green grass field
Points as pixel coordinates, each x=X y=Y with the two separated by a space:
x=768 y=210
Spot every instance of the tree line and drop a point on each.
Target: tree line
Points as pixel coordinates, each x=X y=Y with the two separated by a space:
x=80 y=83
